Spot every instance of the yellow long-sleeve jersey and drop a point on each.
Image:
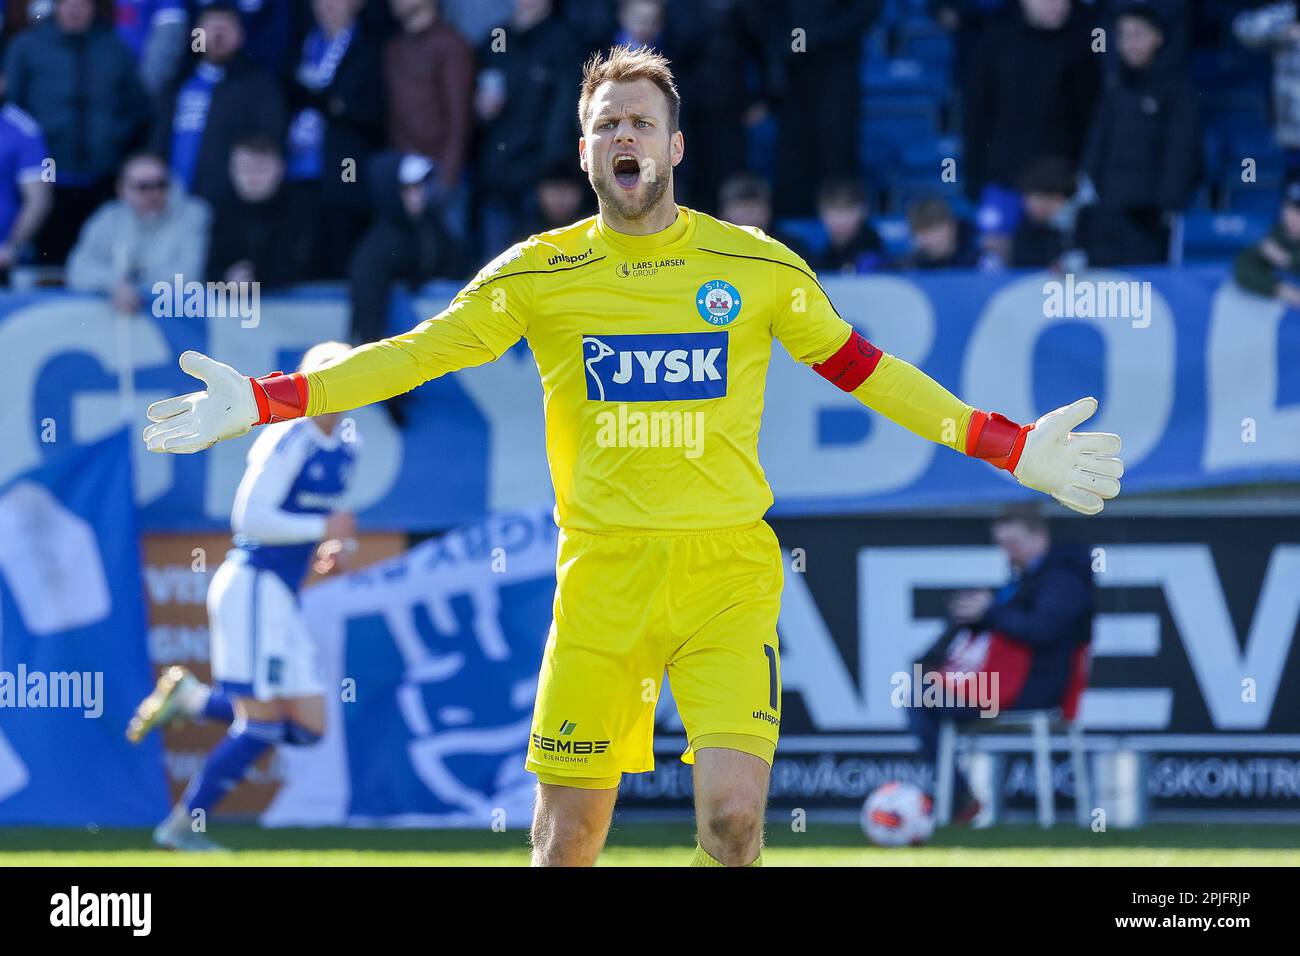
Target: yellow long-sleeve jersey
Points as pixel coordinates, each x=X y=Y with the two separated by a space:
x=653 y=354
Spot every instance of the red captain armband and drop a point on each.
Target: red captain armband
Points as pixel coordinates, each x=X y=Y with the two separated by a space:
x=851 y=365
x=280 y=397
x=996 y=439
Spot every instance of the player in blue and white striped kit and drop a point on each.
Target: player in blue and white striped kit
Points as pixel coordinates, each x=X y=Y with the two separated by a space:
x=286 y=516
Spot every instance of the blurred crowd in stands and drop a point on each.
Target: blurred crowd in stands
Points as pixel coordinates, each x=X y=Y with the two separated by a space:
x=383 y=141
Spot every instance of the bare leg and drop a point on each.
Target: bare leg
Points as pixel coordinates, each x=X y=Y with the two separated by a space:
x=263 y=711
x=730 y=800
x=570 y=824
x=307 y=712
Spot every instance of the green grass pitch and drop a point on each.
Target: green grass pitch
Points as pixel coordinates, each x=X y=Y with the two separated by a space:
x=642 y=844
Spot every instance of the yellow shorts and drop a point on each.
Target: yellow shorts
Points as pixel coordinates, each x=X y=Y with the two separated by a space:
x=700 y=607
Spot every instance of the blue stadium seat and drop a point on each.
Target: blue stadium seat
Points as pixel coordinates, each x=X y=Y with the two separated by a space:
x=1241 y=139
x=898 y=130
x=895 y=76
x=1212 y=155
x=879 y=157
x=923 y=105
x=761 y=148
x=1232 y=67
x=1215 y=236
x=906 y=189
x=1242 y=105
x=924 y=40
x=929 y=153
x=894 y=233
x=1262 y=199
x=808 y=233
x=934 y=48
x=875 y=44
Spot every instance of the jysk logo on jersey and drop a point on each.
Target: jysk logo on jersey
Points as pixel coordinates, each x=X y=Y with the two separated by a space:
x=670 y=367
x=718 y=302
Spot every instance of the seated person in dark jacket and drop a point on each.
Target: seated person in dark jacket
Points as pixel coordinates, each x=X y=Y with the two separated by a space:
x=406 y=243
x=939 y=239
x=852 y=245
x=1271 y=267
x=1024 y=637
x=258 y=235
x=1052 y=231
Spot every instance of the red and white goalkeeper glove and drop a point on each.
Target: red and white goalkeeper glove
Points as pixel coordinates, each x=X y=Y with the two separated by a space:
x=229 y=407
x=1081 y=470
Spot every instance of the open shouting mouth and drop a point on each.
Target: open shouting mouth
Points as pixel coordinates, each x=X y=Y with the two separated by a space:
x=627 y=170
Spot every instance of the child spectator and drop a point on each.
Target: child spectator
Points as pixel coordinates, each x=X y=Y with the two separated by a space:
x=939 y=239
x=746 y=200
x=852 y=244
x=1052 y=233
x=259 y=235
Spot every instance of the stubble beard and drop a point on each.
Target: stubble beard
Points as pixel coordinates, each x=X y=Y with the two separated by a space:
x=613 y=198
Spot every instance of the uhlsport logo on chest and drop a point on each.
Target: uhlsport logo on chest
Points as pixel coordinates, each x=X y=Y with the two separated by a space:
x=665 y=367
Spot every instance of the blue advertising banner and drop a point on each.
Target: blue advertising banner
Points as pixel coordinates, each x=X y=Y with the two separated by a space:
x=435 y=654
x=72 y=645
x=1198 y=377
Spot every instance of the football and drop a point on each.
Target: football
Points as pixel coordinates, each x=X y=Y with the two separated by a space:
x=897 y=814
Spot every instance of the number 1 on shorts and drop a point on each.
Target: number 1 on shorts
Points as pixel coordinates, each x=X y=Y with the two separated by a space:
x=770 y=651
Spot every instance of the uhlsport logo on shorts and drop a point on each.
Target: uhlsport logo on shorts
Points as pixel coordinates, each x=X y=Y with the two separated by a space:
x=669 y=367
x=718 y=302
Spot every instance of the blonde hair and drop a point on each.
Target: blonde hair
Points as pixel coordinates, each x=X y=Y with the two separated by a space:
x=623 y=64
x=322 y=354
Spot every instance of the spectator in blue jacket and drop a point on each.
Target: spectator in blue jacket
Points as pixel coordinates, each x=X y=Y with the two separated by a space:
x=77 y=79
x=1027 y=633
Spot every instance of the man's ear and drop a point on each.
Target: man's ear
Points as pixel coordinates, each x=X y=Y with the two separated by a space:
x=582 y=153
x=677 y=148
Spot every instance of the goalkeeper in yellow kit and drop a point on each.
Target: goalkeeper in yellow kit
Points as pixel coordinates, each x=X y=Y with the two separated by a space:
x=652 y=326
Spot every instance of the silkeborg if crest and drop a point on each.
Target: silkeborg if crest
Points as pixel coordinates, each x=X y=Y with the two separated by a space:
x=718 y=302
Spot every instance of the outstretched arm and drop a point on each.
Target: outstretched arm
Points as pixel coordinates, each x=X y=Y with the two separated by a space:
x=482 y=322
x=1078 y=469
